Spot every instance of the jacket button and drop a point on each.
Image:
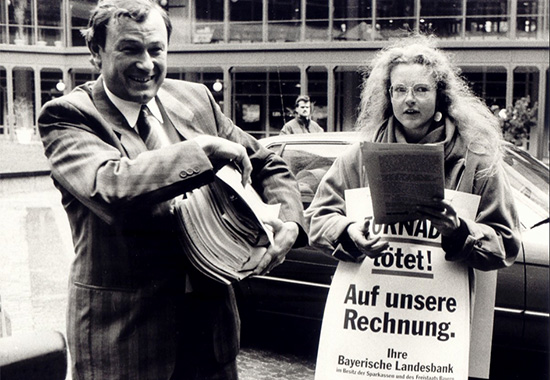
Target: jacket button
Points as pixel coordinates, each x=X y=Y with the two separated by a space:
x=183 y=174
x=189 y=171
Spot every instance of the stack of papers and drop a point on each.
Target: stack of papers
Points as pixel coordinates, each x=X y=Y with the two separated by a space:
x=401 y=177
x=222 y=227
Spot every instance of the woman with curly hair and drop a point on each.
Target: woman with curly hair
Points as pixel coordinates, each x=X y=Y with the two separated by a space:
x=413 y=94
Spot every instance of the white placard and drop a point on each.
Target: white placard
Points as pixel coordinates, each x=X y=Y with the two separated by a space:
x=405 y=315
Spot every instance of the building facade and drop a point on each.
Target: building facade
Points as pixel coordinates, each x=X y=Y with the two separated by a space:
x=258 y=55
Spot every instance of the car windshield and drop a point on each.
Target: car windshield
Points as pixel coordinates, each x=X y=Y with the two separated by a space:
x=529 y=180
x=309 y=162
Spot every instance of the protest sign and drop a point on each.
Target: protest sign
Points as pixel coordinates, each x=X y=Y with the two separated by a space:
x=404 y=315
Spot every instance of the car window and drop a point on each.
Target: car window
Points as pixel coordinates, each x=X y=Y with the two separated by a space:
x=529 y=181
x=309 y=163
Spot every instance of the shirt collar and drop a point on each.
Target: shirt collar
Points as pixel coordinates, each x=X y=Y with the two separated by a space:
x=130 y=110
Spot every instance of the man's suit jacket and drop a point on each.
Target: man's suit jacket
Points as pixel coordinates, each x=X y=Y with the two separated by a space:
x=129 y=271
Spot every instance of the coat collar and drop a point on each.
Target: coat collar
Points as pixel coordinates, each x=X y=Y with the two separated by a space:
x=445 y=133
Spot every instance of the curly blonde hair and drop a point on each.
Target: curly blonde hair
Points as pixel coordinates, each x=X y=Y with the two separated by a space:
x=474 y=120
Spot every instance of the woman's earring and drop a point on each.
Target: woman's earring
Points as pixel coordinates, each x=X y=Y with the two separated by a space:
x=437 y=117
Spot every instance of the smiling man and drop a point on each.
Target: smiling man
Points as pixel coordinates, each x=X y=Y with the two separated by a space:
x=122 y=149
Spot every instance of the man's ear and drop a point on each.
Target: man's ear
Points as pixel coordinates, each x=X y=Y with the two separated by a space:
x=96 y=57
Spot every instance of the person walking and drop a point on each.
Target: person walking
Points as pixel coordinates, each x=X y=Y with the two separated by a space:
x=122 y=148
x=302 y=122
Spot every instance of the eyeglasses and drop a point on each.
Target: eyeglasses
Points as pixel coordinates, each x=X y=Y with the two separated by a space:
x=420 y=91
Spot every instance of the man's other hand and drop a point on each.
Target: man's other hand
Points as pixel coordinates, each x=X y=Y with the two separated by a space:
x=284 y=236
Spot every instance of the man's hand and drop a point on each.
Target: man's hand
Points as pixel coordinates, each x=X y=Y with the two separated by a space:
x=284 y=236
x=359 y=234
x=221 y=151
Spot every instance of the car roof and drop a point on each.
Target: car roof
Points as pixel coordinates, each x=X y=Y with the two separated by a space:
x=353 y=136
x=344 y=137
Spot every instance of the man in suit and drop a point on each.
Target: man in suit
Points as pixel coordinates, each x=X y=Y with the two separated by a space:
x=137 y=309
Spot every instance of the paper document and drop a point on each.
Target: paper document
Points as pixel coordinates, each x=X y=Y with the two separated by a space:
x=402 y=176
x=223 y=229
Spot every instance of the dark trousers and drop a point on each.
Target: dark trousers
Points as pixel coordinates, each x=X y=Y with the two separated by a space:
x=195 y=344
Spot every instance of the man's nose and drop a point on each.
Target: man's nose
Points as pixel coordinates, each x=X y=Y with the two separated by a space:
x=145 y=62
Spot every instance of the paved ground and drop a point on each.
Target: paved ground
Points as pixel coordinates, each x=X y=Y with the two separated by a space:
x=36 y=251
x=16 y=157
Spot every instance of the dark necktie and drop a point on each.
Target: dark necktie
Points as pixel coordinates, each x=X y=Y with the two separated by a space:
x=148 y=128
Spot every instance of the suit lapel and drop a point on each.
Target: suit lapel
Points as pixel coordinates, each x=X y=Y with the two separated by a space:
x=129 y=139
x=180 y=114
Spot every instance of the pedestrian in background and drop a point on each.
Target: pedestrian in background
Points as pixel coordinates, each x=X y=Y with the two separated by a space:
x=302 y=122
x=121 y=149
x=414 y=95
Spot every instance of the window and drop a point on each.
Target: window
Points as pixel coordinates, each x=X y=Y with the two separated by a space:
x=80 y=13
x=352 y=20
x=208 y=78
x=317 y=20
x=309 y=163
x=284 y=20
x=49 y=80
x=20 y=20
x=50 y=26
x=529 y=19
x=246 y=21
x=441 y=17
x=488 y=83
x=249 y=99
x=284 y=88
x=317 y=91
x=487 y=18
x=394 y=18
x=4 y=37
x=347 y=84
x=264 y=101
x=31 y=22
x=24 y=104
x=82 y=76
x=526 y=83
x=3 y=102
x=209 y=17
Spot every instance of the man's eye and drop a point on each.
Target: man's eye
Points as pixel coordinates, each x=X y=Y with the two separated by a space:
x=156 y=51
x=129 y=50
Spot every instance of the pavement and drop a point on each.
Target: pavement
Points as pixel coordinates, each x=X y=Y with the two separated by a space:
x=36 y=252
x=21 y=158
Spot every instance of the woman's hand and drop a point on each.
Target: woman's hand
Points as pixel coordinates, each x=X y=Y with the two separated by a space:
x=359 y=234
x=442 y=215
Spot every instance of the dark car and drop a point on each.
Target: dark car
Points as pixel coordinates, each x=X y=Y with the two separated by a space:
x=298 y=288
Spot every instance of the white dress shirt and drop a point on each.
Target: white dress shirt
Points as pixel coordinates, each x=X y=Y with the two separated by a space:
x=130 y=111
